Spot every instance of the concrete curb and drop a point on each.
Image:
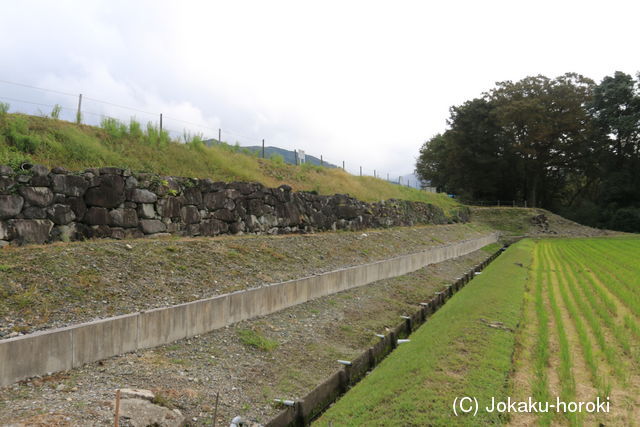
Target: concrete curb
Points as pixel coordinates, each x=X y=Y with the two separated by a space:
x=60 y=349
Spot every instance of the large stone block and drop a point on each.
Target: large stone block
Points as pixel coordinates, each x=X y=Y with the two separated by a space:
x=108 y=194
x=147 y=210
x=141 y=196
x=7 y=184
x=218 y=200
x=152 y=226
x=224 y=215
x=190 y=215
x=31 y=230
x=126 y=218
x=169 y=207
x=97 y=216
x=61 y=214
x=213 y=227
x=5 y=231
x=70 y=185
x=37 y=196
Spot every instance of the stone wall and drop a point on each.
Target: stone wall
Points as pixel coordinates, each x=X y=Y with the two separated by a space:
x=39 y=205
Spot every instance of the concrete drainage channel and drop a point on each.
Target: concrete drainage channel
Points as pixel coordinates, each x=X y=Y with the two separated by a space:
x=302 y=412
x=65 y=348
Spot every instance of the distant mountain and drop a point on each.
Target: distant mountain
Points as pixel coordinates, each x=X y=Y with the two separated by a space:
x=288 y=155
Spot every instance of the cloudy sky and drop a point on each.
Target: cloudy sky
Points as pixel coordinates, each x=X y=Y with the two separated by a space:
x=366 y=82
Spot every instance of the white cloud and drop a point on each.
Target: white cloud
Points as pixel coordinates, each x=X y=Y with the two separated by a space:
x=364 y=82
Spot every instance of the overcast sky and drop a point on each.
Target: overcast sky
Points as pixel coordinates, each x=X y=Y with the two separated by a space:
x=366 y=82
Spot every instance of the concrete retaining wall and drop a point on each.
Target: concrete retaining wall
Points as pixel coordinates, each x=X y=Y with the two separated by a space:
x=63 y=348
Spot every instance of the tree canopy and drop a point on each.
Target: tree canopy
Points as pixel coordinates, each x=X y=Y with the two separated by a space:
x=566 y=144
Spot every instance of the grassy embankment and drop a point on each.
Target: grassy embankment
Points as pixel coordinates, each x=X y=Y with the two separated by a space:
x=54 y=142
x=455 y=354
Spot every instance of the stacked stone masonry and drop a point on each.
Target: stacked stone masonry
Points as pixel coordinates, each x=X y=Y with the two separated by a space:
x=39 y=205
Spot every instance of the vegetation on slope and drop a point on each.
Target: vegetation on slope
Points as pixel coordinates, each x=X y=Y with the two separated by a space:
x=456 y=353
x=565 y=144
x=53 y=142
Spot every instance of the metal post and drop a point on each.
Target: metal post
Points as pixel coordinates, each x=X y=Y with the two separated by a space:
x=321 y=161
x=525 y=203
x=399 y=180
x=360 y=170
x=263 y=148
x=79 y=113
x=160 y=122
x=219 y=135
x=295 y=152
x=498 y=203
x=387 y=176
x=343 y=165
x=374 y=173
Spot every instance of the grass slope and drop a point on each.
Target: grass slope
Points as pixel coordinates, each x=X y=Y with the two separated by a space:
x=454 y=354
x=58 y=143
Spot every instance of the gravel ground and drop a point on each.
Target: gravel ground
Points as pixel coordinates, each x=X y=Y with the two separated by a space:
x=61 y=284
x=308 y=339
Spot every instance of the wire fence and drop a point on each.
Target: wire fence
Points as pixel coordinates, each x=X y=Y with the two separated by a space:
x=80 y=108
x=498 y=203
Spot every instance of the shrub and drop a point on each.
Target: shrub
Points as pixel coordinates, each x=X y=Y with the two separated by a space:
x=114 y=127
x=55 y=113
x=135 y=130
x=277 y=159
x=626 y=219
x=4 y=110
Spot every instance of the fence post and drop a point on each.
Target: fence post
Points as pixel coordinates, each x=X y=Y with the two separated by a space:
x=514 y=203
x=360 y=170
x=263 y=148
x=525 y=203
x=321 y=161
x=343 y=165
x=160 y=123
x=498 y=203
x=219 y=135
x=79 y=113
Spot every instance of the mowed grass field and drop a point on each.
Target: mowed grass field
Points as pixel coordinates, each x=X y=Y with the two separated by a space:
x=556 y=318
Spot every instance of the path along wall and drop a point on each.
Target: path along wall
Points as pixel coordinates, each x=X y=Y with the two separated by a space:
x=65 y=348
x=41 y=205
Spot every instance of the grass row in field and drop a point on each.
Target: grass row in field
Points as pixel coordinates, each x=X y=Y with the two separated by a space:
x=600 y=302
x=454 y=354
x=540 y=385
x=583 y=337
x=567 y=381
x=588 y=314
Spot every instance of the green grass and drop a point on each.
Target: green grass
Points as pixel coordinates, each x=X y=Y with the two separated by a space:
x=54 y=142
x=256 y=340
x=454 y=354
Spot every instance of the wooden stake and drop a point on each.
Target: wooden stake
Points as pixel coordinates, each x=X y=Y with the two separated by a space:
x=215 y=411
x=117 y=420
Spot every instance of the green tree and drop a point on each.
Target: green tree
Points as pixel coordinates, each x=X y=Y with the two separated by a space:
x=548 y=128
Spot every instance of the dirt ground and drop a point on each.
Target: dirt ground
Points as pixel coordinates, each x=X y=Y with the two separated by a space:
x=283 y=355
